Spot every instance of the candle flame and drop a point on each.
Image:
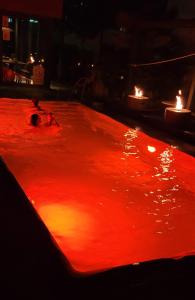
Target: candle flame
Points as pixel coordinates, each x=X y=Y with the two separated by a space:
x=179 y=99
x=32 y=60
x=138 y=92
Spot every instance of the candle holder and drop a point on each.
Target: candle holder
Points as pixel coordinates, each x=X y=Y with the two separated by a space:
x=137 y=101
x=177 y=116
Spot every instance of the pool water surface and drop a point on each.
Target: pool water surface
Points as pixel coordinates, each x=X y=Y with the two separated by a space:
x=110 y=195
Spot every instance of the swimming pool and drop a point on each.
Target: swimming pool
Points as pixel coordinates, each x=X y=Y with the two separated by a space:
x=109 y=194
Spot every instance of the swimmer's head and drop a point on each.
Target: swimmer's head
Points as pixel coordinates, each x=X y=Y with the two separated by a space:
x=35 y=120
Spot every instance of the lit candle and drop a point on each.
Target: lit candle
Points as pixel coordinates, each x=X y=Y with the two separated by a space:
x=179 y=99
x=177 y=115
x=138 y=92
x=137 y=101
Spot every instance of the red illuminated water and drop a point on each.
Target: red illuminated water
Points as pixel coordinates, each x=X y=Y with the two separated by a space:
x=110 y=195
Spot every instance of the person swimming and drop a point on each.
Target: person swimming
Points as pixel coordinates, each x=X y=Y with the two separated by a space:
x=51 y=120
x=36 y=103
x=35 y=120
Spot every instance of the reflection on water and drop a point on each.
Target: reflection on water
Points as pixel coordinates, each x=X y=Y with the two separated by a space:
x=165 y=171
x=162 y=187
x=129 y=147
x=164 y=195
x=151 y=149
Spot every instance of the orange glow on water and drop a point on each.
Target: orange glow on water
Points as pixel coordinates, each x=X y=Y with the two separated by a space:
x=110 y=195
x=64 y=221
